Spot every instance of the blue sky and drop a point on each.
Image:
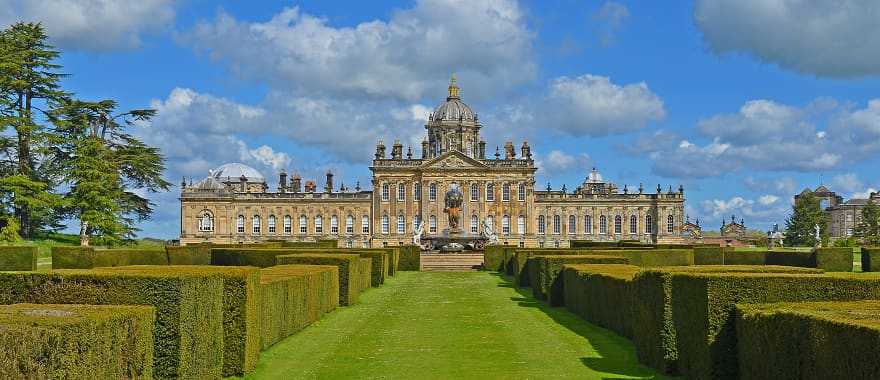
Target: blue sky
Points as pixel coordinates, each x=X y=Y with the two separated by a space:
x=744 y=102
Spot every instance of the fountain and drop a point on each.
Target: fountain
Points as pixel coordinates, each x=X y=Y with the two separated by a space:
x=453 y=239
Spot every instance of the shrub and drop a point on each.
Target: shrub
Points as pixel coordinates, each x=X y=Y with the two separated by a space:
x=294 y=296
x=871 y=259
x=18 y=258
x=808 y=340
x=654 y=334
x=547 y=283
x=639 y=257
x=709 y=255
x=410 y=258
x=88 y=257
x=241 y=314
x=493 y=258
x=834 y=259
x=188 y=333
x=349 y=286
x=191 y=254
x=76 y=341
x=601 y=294
x=702 y=310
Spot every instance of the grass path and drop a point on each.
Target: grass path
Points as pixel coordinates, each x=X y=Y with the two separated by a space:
x=436 y=325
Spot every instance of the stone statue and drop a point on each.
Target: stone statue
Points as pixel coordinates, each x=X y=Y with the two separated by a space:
x=489 y=232
x=417 y=234
x=453 y=201
x=817 y=236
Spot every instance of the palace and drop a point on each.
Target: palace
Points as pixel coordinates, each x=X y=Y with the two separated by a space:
x=234 y=203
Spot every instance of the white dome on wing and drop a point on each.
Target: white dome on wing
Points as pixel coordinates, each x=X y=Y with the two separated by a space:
x=209 y=183
x=235 y=170
x=595 y=177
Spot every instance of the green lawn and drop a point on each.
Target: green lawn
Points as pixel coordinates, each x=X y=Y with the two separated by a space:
x=436 y=325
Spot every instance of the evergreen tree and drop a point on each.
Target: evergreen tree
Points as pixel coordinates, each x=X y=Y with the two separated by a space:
x=105 y=164
x=29 y=91
x=800 y=226
x=868 y=230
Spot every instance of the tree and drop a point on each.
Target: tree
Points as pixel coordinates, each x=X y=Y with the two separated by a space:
x=800 y=226
x=103 y=166
x=868 y=230
x=29 y=90
x=9 y=232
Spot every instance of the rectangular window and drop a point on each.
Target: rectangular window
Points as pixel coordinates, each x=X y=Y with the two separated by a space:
x=475 y=192
x=385 y=192
x=349 y=225
x=490 y=192
x=319 y=225
x=256 y=225
x=521 y=193
x=385 y=224
x=475 y=224
x=505 y=192
x=365 y=224
x=287 y=227
x=588 y=225
x=271 y=224
x=303 y=225
x=572 y=224
x=432 y=224
x=521 y=225
x=334 y=225
x=417 y=191
x=240 y=224
x=432 y=192
x=401 y=192
x=401 y=224
x=349 y=244
x=505 y=225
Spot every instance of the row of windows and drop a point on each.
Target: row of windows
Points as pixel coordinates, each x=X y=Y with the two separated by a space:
x=603 y=224
x=287 y=224
x=474 y=192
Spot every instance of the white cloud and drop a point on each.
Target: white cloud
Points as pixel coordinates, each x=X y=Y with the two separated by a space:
x=407 y=56
x=93 y=25
x=558 y=162
x=864 y=194
x=610 y=18
x=780 y=186
x=756 y=214
x=768 y=199
x=269 y=157
x=832 y=38
x=848 y=182
x=591 y=105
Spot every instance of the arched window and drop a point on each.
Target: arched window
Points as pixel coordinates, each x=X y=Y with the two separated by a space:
x=542 y=225
x=334 y=225
x=475 y=224
x=385 y=224
x=401 y=224
x=603 y=225
x=417 y=191
x=432 y=224
x=633 y=224
x=206 y=221
x=385 y=192
x=365 y=224
x=416 y=221
x=432 y=192
x=401 y=192
x=287 y=225
x=490 y=192
x=255 y=223
x=319 y=224
x=349 y=224
x=521 y=192
x=588 y=224
x=649 y=224
x=270 y=223
x=475 y=192
x=670 y=225
x=521 y=225
x=505 y=192
x=557 y=224
x=505 y=225
x=572 y=224
x=303 y=224
x=618 y=224
x=239 y=224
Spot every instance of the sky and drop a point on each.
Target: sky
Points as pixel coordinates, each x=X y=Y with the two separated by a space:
x=742 y=102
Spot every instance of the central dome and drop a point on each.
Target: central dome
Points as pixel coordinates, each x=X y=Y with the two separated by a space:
x=453 y=109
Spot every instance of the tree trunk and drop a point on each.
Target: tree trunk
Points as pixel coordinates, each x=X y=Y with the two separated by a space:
x=24 y=162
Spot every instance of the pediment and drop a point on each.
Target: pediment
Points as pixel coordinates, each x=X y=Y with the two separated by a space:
x=453 y=161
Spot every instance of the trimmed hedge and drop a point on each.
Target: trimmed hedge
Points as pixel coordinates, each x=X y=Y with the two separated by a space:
x=592 y=244
x=323 y=243
x=191 y=254
x=834 y=259
x=365 y=266
x=13 y=258
x=808 y=340
x=76 y=341
x=703 y=310
x=381 y=258
x=410 y=258
x=639 y=257
x=255 y=257
x=601 y=294
x=709 y=255
x=241 y=313
x=349 y=283
x=654 y=333
x=547 y=283
x=871 y=259
x=188 y=333
x=294 y=296
x=734 y=257
x=88 y=257
x=493 y=258
x=267 y=244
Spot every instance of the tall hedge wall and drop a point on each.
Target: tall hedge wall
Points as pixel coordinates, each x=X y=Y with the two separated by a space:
x=241 y=313
x=188 y=333
x=88 y=257
x=349 y=283
x=264 y=258
x=870 y=259
x=834 y=259
x=410 y=258
x=639 y=257
x=365 y=265
x=547 y=283
x=493 y=258
x=703 y=310
x=654 y=333
x=294 y=296
x=191 y=254
x=14 y=258
x=76 y=341
x=601 y=294
x=808 y=340
x=709 y=255
x=592 y=244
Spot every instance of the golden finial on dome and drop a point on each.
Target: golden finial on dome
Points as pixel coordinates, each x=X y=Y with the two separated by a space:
x=453 y=87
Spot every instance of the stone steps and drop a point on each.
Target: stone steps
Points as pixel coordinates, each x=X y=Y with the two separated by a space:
x=451 y=262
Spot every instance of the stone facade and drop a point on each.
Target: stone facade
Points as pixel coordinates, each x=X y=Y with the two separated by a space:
x=843 y=216
x=234 y=205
